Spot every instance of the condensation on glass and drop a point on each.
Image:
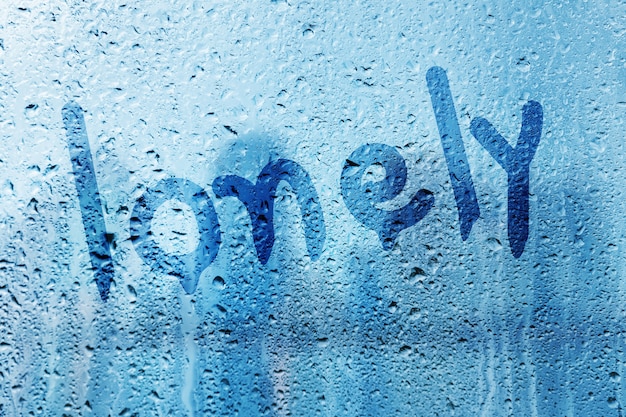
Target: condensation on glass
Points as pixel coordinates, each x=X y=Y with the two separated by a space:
x=296 y=209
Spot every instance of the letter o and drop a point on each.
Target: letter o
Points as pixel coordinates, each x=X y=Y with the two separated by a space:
x=188 y=267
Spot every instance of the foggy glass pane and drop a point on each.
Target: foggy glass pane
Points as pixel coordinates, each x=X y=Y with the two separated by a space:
x=291 y=208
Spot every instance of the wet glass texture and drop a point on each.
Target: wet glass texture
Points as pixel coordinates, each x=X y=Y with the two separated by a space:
x=292 y=208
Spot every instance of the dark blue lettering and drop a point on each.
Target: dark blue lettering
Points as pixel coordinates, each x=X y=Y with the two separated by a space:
x=189 y=267
x=259 y=201
x=453 y=149
x=362 y=198
x=516 y=163
x=98 y=240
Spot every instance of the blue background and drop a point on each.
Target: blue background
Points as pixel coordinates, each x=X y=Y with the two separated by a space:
x=433 y=326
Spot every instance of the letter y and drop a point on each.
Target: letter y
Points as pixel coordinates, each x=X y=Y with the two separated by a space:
x=516 y=163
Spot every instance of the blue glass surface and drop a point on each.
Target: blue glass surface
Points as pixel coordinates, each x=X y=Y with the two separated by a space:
x=277 y=208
